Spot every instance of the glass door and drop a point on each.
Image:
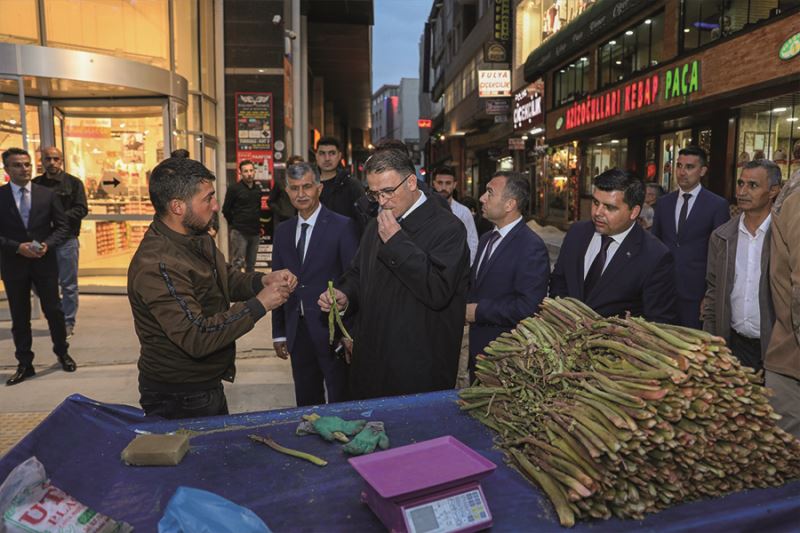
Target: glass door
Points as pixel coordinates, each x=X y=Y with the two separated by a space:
x=112 y=150
x=671 y=144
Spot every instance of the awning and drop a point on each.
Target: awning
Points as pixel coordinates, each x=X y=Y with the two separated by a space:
x=601 y=18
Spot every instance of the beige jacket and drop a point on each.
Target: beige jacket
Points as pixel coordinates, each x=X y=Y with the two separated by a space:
x=720 y=274
x=783 y=355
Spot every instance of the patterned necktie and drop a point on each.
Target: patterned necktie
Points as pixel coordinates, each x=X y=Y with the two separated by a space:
x=489 y=245
x=301 y=244
x=24 y=205
x=596 y=269
x=684 y=211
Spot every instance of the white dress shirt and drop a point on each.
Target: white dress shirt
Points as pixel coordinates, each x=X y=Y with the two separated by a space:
x=15 y=190
x=465 y=216
x=503 y=232
x=594 y=249
x=745 y=309
x=679 y=204
x=415 y=205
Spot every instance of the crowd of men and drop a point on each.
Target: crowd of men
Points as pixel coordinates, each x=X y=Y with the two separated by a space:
x=409 y=271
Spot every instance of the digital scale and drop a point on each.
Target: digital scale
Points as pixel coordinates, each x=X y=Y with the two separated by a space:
x=427 y=487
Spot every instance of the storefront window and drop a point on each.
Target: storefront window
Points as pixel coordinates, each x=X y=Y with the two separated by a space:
x=705 y=21
x=187 y=55
x=112 y=151
x=637 y=48
x=561 y=175
x=134 y=30
x=600 y=156
x=208 y=76
x=11 y=130
x=571 y=81
x=19 y=22
x=559 y=13
x=771 y=130
x=671 y=144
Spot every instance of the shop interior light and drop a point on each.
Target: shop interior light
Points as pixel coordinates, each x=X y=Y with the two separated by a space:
x=584 y=59
x=614 y=141
x=562 y=71
x=618 y=62
x=792 y=119
x=572 y=65
x=441 y=137
x=686 y=30
x=779 y=110
x=524 y=137
x=612 y=43
x=629 y=32
x=536 y=131
x=648 y=21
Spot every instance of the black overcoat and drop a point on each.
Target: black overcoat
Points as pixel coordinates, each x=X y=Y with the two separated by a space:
x=410 y=298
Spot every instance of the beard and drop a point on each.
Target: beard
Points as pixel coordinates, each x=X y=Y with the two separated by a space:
x=194 y=223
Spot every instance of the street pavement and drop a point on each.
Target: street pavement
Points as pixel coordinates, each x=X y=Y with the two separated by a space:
x=106 y=349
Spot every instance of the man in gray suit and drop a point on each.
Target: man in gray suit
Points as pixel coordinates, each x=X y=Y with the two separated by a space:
x=738 y=305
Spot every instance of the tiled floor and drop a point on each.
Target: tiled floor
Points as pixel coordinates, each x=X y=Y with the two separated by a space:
x=14 y=426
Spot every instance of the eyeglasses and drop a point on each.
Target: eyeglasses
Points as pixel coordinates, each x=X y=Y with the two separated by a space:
x=374 y=196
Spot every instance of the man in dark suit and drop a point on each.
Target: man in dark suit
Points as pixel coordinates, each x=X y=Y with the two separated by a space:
x=611 y=263
x=317 y=246
x=32 y=224
x=684 y=221
x=508 y=279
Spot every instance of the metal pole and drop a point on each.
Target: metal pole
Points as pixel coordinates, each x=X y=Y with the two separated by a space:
x=298 y=130
x=23 y=119
x=303 y=38
x=222 y=173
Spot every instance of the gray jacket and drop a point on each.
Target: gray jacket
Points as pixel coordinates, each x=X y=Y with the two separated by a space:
x=719 y=281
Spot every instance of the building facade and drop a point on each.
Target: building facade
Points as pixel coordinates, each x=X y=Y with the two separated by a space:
x=395 y=112
x=630 y=83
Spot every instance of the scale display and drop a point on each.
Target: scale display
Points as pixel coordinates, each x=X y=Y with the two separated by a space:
x=448 y=514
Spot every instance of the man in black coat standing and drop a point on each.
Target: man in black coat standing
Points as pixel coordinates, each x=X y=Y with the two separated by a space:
x=408 y=283
x=340 y=191
x=242 y=210
x=32 y=225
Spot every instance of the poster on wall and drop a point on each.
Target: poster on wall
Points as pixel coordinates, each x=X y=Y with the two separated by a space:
x=253 y=121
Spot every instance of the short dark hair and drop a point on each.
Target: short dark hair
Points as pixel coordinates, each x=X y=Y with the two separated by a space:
x=330 y=141
x=13 y=151
x=517 y=188
x=293 y=160
x=391 y=144
x=695 y=150
x=658 y=188
x=773 y=170
x=448 y=171
x=180 y=152
x=616 y=179
x=244 y=162
x=383 y=160
x=176 y=178
x=469 y=202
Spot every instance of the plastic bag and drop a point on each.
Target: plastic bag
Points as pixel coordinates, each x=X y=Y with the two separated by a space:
x=30 y=503
x=199 y=511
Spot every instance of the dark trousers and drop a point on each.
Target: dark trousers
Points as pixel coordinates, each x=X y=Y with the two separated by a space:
x=18 y=292
x=689 y=313
x=313 y=372
x=191 y=404
x=747 y=350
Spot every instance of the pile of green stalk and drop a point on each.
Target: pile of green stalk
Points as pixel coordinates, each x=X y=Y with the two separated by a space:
x=623 y=417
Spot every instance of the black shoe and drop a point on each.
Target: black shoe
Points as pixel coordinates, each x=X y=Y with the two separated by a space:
x=67 y=363
x=23 y=371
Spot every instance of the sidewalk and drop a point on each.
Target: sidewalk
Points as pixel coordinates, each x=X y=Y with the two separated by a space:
x=106 y=350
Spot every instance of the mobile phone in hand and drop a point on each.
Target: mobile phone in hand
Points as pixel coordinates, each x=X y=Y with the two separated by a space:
x=36 y=246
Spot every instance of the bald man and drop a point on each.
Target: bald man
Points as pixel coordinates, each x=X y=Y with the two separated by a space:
x=70 y=191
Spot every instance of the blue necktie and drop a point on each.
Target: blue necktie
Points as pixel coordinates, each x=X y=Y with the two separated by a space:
x=24 y=205
x=301 y=244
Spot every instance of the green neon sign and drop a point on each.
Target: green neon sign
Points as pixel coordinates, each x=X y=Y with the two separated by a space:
x=790 y=47
x=682 y=80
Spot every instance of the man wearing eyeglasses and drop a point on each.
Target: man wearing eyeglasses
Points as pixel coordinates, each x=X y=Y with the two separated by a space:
x=408 y=283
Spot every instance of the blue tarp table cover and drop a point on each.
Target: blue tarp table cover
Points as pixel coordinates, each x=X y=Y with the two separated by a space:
x=80 y=444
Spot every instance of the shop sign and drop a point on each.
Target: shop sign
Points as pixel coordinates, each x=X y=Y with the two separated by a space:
x=516 y=143
x=254 y=121
x=500 y=119
x=498 y=106
x=494 y=83
x=527 y=108
x=682 y=80
x=502 y=20
x=495 y=52
x=424 y=123
x=635 y=95
x=790 y=47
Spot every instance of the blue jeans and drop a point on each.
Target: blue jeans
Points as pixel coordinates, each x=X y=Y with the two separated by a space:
x=67 y=255
x=243 y=250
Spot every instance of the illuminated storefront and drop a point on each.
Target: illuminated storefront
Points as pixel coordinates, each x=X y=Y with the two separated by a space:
x=116 y=85
x=653 y=93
